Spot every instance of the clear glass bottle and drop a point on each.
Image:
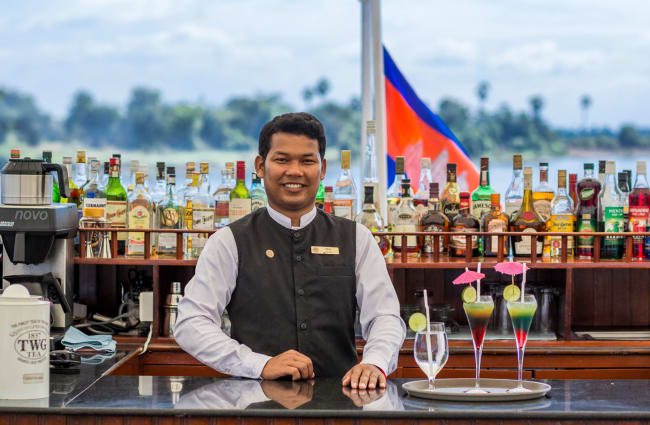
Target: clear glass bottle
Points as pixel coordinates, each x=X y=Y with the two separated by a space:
x=421 y=198
x=140 y=216
x=464 y=221
x=116 y=203
x=80 y=173
x=258 y=194
x=450 y=199
x=610 y=214
x=202 y=211
x=74 y=197
x=394 y=193
x=561 y=220
x=345 y=191
x=93 y=196
x=103 y=180
x=527 y=220
x=433 y=220
x=190 y=169
x=624 y=185
x=515 y=191
x=639 y=214
x=240 y=196
x=159 y=189
x=134 y=168
x=369 y=217
x=494 y=220
x=602 y=166
x=222 y=196
x=543 y=194
x=370 y=162
x=481 y=202
x=169 y=215
x=405 y=219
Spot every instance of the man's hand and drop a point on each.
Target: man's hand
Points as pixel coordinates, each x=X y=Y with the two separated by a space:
x=364 y=376
x=289 y=394
x=363 y=397
x=290 y=363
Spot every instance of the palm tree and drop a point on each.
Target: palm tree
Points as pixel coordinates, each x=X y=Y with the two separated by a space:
x=482 y=91
x=536 y=103
x=585 y=104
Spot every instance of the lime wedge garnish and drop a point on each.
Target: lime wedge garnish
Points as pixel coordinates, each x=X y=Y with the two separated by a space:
x=469 y=294
x=417 y=322
x=511 y=293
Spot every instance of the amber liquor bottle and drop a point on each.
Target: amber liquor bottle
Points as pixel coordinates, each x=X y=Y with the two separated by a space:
x=449 y=198
x=494 y=221
x=527 y=221
x=433 y=220
x=464 y=222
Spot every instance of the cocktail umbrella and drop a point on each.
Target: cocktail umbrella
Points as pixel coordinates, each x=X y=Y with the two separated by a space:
x=512 y=268
x=468 y=276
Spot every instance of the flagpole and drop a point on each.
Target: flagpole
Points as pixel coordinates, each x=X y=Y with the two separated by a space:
x=380 y=106
x=366 y=77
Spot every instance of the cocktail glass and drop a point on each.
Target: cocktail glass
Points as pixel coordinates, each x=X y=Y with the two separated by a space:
x=478 y=315
x=439 y=351
x=521 y=314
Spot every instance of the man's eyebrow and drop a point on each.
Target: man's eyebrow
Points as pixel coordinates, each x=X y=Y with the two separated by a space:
x=280 y=153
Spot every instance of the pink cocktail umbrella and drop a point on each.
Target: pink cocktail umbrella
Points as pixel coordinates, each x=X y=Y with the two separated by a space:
x=468 y=276
x=513 y=268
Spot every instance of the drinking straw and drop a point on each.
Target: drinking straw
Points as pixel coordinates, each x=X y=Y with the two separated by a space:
x=429 y=356
x=523 y=283
x=478 y=283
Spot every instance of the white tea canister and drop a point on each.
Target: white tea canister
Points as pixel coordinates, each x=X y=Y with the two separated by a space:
x=24 y=344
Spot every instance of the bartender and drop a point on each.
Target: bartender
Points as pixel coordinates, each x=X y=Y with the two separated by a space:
x=292 y=277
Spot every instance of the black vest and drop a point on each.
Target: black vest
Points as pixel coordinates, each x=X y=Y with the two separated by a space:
x=289 y=298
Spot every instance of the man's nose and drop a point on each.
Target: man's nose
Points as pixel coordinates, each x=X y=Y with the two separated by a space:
x=294 y=169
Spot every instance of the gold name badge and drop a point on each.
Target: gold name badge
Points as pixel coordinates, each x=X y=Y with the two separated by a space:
x=327 y=250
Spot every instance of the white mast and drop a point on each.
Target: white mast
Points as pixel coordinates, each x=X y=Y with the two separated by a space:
x=366 y=77
x=380 y=106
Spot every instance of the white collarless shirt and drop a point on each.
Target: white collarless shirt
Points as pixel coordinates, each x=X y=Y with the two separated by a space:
x=198 y=326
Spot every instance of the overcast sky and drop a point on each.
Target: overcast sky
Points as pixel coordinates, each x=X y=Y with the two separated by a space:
x=212 y=50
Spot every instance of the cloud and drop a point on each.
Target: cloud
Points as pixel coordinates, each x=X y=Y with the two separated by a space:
x=447 y=51
x=546 y=57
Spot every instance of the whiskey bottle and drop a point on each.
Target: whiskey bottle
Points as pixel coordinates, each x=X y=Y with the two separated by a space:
x=433 y=220
x=610 y=214
x=588 y=191
x=464 y=222
x=527 y=221
x=494 y=221
x=515 y=191
x=639 y=216
x=421 y=200
x=481 y=202
x=562 y=220
x=169 y=214
x=370 y=218
x=240 y=196
x=543 y=194
x=258 y=195
x=405 y=220
x=394 y=193
x=139 y=216
x=345 y=192
x=450 y=200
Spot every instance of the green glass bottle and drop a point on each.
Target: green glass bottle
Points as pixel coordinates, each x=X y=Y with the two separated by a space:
x=56 y=192
x=116 y=204
x=240 y=197
x=320 y=196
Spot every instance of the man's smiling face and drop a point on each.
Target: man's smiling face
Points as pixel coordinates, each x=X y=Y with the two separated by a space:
x=292 y=172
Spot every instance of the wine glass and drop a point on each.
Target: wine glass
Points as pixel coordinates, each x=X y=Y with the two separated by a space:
x=431 y=350
x=521 y=314
x=478 y=316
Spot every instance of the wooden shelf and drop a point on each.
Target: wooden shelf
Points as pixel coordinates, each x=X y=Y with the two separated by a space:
x=490 y=262
x=120 y=261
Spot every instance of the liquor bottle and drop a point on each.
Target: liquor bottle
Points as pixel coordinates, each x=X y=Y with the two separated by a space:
x=543 y=193
x=588 y=190
x=602 y=165
x=527 y=221
x=56 y=192
x=405 y=220
x=370 y=163
x=369 y=217
x=93 y=196
x=74 y=189
x=328 y=207
x=240 y=196
x=144 y=169
x=610 y=214
x=159 y=189
x=573 y=194
x=191 y=190
x=450 y=200
x=134 y=168
x=421 y=200
x=222 y=197
x=515 y=191
x=562 y=220
x=190 y=168
x=140 y=216
x=258 y=195
x=433 y=220
x=639 y=201
x=80 y=172
x=494 y=220
x=14 y=154
x=116 y=203
x=169 y=214
x=202 y=204
x=394 y=193
x=481 y=201
x=624 y=185
x=320 y=196
x=103 y=180
x=345 y=191
x=464 y=222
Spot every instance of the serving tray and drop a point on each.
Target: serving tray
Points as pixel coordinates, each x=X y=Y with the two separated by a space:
x=454 y=390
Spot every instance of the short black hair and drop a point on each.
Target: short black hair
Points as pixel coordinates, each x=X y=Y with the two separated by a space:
x=299 y=123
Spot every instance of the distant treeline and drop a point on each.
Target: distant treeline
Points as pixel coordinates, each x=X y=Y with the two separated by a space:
x=147 y=122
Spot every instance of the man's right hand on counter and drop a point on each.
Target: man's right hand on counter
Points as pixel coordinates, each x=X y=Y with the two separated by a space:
x=290 y=363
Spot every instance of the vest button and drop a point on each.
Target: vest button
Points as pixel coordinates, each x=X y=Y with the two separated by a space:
x=301 y=292
x=303 y=325
x=296 y=236
x=298 y=258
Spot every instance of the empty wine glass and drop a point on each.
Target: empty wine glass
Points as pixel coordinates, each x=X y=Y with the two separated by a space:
x=431 y=350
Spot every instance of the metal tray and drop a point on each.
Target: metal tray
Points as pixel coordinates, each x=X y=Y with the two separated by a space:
x=454 y=390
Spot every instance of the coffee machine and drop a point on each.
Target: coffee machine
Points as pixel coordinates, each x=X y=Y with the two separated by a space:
x=37 y=235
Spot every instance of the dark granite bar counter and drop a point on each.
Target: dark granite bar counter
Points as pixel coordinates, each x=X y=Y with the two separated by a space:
x=93 y=394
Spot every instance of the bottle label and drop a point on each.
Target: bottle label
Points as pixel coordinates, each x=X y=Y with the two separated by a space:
x=523 y=246
x=560 y=223
x=116 y=215
x=139 y=218
x=427 y=244
x=496 y=225
x=95 y=203
x=480 y=207
x=202 y=219
x=421 y=205
x=587 y=194
x=512 y=208
x=458 y=242
x=222 y=209
x=543 y=208
x=614 y=219
x=411 y=240
x=169 y=218
x=238 y=208
x=167 y=243
x=343 y=208
x=392 y=208
x=450 y=209
x=257 y=203
x=586 y=226
x=638 y=218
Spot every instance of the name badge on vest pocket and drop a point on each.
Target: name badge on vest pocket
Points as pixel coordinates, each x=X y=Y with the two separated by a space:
x=327 y=250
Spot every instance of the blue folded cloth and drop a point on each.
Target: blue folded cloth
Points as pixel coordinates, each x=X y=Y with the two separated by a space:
x=74 y=340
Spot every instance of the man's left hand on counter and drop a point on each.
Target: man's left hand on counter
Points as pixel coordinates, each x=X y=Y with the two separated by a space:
x=364 y=376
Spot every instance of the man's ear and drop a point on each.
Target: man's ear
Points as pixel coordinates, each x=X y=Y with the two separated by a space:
x=259 y=166
x=323 y=169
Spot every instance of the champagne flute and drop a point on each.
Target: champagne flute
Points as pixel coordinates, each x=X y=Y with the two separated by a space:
x=521 y=313
x=431 y=362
